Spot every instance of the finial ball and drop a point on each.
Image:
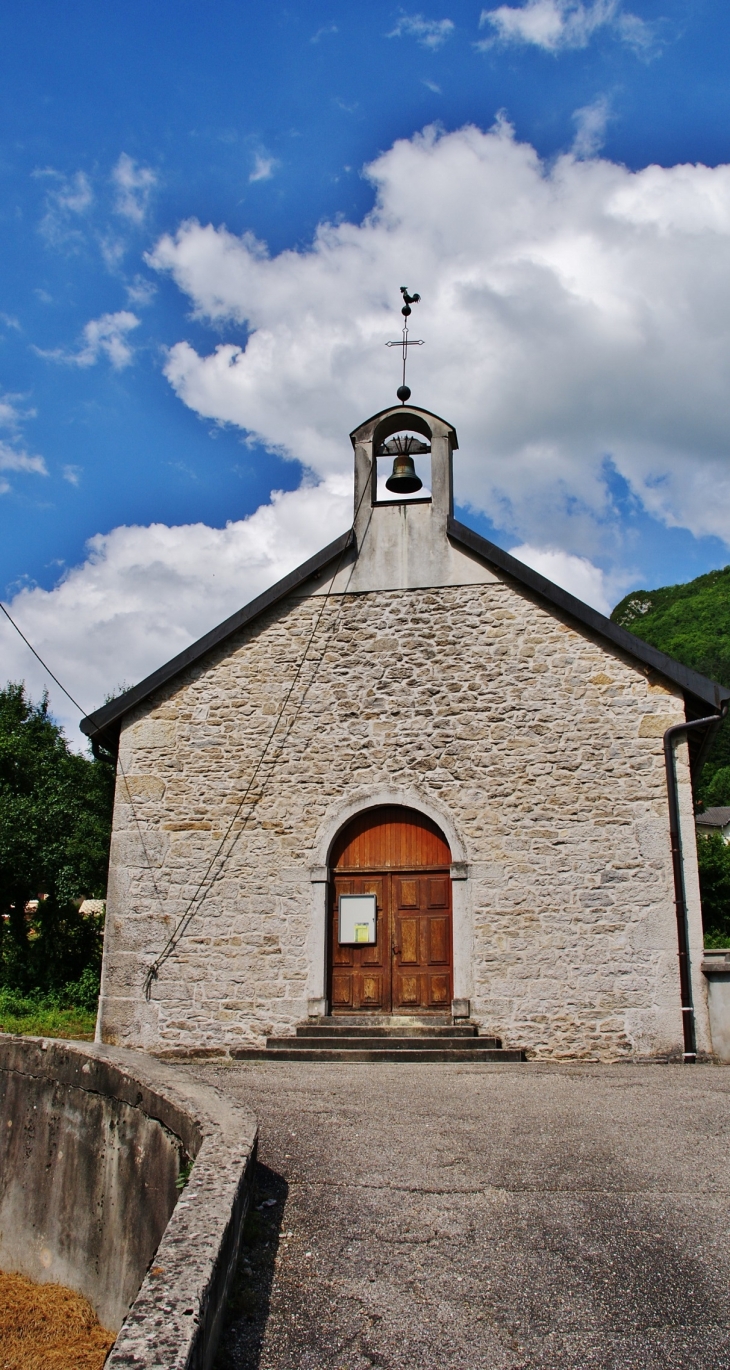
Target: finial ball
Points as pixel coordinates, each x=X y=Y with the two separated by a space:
x=404 y=393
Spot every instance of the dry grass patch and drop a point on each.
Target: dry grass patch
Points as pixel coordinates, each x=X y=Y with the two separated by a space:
x=47 y=1327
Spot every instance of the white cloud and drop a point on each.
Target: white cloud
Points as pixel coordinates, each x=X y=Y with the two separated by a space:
x=141 y=292
x=105 y=336
x=555 y=25
x=13 y=456
x=134 y=184
x=578 y=575
x=11 y=414
x=143 y=594
x=591 y=121
x=112 y=249
x=67 y=199
x=74 y=215
x=572 y=313
x=263 y=168
x=430 y=33
x=325 y=31
x=72 y=474
x=11 y=459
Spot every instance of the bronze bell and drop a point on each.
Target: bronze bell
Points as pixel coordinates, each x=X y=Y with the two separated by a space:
x=403 y=479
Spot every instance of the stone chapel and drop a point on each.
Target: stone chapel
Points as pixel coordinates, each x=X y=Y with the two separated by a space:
x=414 y=782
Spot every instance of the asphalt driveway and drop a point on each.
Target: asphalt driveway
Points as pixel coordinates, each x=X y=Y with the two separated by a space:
x=415 y=1217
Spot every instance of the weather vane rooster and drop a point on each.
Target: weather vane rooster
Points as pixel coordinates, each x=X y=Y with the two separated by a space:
x=403 y=392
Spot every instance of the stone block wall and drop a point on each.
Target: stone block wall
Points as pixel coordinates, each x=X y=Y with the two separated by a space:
x=541 y=747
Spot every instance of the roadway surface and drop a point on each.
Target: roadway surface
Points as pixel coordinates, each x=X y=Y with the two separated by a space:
x=424 y=1217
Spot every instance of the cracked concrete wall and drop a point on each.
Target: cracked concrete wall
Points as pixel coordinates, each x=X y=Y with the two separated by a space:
x=542 y=745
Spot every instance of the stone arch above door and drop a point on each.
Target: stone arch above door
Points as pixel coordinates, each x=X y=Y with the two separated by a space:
x=365 y=799
x=390 y=837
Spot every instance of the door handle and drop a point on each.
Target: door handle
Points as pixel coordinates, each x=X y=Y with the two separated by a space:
x=395 y=951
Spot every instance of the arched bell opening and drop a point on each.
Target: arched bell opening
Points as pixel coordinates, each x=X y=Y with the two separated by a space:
x=403 y=469
x=402 y=459
x=390 y=939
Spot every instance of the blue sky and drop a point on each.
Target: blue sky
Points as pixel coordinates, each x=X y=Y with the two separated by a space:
x=120 y=124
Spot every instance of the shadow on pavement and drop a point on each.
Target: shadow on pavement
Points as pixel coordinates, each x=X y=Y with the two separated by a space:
x=248 y=1304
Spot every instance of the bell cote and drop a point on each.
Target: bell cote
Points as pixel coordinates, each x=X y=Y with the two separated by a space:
x=394 y=438
x=403 y=500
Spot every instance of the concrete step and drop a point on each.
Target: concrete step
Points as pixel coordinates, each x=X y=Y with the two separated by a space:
x=345 y=1042
x=336 y=1028
x=366 y=1053
x=405 y=1021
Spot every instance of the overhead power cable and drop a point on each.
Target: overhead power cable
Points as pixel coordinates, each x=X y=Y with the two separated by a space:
x=207 y=882
x=31 y=648
x=83 y=713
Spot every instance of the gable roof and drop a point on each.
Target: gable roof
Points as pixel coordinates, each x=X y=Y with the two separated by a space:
x=104 y=725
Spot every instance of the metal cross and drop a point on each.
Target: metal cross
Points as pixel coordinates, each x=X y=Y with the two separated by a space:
x=403 y=391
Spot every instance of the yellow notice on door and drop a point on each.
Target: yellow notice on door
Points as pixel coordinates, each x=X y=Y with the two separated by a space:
x=362 y=932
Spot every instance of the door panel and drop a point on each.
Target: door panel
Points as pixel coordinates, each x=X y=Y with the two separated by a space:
x=438 y=892
x=439 y=941
x=409 y=894
x=371 y=991
x=408 y=990
x=408 y=939
x=360 y=976
x=439 y=987
x=421 y=943
x=341 y=990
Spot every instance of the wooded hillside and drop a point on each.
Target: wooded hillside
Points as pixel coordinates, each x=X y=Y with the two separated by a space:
x=692 y=623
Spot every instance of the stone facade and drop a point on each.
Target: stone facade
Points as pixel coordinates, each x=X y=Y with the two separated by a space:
x=413 y=673
x=536 y=747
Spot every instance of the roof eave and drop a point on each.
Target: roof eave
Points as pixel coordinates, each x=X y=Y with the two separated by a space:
x=104 y=725
x=689 y=681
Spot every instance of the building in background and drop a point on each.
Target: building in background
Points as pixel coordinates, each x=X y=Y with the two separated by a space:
x=714 y=821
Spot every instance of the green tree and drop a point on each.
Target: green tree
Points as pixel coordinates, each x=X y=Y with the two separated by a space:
x=713 y=857
x=715 y=788
x=55 y=822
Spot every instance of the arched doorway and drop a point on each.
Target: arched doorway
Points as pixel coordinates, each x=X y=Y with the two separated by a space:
x=398 y=957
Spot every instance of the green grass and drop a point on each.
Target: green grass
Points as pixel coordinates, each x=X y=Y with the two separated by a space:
x=36 y=1016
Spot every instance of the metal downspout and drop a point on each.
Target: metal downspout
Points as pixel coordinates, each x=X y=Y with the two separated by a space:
x=680 y=894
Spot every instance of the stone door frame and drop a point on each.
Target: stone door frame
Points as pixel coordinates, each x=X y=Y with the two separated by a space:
x=461 y=892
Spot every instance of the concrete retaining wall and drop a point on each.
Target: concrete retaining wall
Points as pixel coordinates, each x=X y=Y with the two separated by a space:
x=716 y=967
x=92 y=1140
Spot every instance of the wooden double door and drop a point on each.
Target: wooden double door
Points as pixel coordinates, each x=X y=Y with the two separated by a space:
x=401 y=858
